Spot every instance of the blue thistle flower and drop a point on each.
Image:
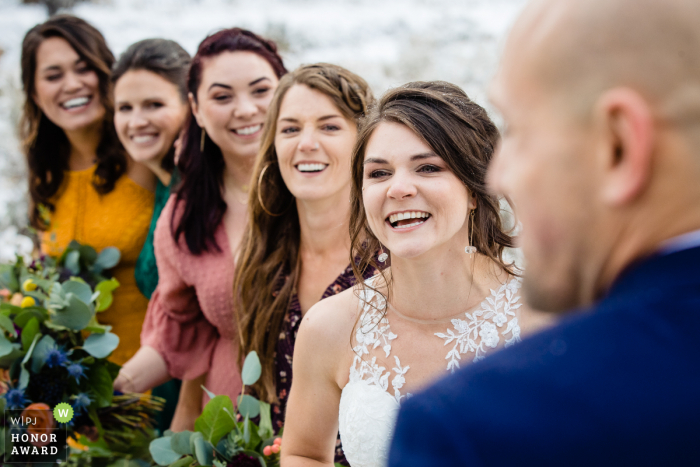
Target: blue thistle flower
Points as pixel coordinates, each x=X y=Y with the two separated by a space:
x=15 y=399
x=76 y=370
x=56 y=357
x=81 y=403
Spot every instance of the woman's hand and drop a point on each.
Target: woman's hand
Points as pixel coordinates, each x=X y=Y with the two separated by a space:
x=144 y=371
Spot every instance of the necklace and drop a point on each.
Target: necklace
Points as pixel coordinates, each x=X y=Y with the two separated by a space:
x=441 y=320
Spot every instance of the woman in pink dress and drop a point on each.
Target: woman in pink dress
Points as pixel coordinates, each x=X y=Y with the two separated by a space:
x=189 y=332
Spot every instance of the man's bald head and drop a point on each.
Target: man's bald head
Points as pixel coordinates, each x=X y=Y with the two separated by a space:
x=601 y=152
x=579 y=48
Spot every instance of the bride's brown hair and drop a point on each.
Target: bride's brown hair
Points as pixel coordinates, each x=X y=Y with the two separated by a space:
x=268 y=265
x=456 y=129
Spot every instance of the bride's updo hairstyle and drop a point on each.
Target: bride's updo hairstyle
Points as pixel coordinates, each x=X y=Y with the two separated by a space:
x=268 y=266
x=461 y=133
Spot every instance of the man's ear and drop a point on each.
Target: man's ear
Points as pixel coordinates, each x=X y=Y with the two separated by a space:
x=195 y=109
x=625 y=155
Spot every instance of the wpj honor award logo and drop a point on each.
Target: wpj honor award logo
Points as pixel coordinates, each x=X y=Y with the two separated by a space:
x=37 y=434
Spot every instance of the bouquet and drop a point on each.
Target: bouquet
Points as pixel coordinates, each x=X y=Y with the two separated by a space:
x=54 y=350
x=224 y=434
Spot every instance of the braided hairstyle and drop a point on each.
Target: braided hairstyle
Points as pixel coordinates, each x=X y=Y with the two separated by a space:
x=268 y=267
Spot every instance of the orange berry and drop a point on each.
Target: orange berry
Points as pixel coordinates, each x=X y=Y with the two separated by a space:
x=277 y=441
x=267 y=450
x=276 y=448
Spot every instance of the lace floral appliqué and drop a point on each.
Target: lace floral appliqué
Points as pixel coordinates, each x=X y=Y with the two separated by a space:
x=372 y=332
x=481 y=328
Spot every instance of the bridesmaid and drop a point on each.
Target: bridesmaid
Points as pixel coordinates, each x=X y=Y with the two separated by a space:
x=150 y=95
x=82 y=185
x=189 y=332
x=296 y=247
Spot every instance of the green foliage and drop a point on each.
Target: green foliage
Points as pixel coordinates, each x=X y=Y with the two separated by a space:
x=41 y=352
x=214 y=421
x=251 y=369
x=248 y=406
x=161 y=451
x=180 y=442
x=218 y=426
x=101 y=345
x=30 y=330
x=105 y=288
x=100 y=384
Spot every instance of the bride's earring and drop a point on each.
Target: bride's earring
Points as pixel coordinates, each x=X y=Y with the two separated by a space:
x=383 y=256
x=471 y=248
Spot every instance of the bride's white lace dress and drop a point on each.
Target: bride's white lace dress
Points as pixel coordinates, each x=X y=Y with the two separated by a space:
x=368 y=407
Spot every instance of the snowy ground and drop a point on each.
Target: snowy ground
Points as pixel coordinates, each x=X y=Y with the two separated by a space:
x=388 y=42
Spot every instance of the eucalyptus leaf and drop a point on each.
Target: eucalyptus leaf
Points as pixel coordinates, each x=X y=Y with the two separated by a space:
x=209 y=393
x=161 y=451
x=57 y=298
x=101 y=345
x=15 y=353
x=23 y=379
x=73 y=262
x=41 y=351
x=6 y=346
x=214 y=422
x=7 y=325
x=79 y=289
x=246 y=431
x=195 y=436
x=251 y=369
x=180 y=442
x=75 y=316
x=29 y=331
x=108 y=258
x=248 y=406
x=105 y=288
x=204 y=451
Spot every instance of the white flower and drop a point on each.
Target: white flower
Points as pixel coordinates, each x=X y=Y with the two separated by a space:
x=500 y=319
x=489 y=335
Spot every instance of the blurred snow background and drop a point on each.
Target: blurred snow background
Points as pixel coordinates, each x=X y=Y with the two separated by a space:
x=388 y=42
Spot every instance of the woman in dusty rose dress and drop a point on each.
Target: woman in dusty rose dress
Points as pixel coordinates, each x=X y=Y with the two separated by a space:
x=189 y=332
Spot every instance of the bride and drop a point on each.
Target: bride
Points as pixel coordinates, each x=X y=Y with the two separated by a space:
x=447 y=299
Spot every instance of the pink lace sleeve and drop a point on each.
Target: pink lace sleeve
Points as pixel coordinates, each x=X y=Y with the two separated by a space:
x=175 y=325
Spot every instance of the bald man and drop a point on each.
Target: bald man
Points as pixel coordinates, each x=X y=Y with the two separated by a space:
x=601 y=157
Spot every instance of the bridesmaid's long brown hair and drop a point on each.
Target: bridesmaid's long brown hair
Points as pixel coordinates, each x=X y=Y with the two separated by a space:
x=268 y=266
x=45 y=144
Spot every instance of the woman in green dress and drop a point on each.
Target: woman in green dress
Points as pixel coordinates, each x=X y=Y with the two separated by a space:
x=150 y=95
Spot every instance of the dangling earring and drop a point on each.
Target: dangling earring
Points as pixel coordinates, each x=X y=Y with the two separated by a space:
x=201 y=142
x=383 y=256
x=471 y=249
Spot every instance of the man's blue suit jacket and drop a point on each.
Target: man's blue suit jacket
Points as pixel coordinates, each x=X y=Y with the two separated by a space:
x=615 y=385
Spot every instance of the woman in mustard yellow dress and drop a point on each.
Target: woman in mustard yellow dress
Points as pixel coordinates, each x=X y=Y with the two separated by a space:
x=82 y=185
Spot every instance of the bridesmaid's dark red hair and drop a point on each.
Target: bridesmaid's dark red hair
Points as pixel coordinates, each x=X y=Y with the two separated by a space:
x=202 y=171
